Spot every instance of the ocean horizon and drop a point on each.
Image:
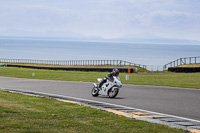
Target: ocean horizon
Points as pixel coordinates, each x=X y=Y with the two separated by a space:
x=140 y=53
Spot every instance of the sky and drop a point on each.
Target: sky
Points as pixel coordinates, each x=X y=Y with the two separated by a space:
x=106 y=18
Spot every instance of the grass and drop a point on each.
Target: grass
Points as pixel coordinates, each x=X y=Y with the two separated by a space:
x=186 y=80
x=21 y=113
x=190 y=65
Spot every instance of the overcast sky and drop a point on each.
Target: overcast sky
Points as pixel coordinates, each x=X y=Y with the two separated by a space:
x=106 y=18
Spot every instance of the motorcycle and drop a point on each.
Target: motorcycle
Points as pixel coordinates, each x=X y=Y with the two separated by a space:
x=109 y=88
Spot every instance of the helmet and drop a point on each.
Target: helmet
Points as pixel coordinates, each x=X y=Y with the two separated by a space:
x=115 y=72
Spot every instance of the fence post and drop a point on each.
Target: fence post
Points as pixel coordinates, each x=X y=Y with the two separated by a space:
x=180 y=61
x=185 y=60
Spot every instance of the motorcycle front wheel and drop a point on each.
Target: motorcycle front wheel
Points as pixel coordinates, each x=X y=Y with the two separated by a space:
x=95 y=92
x=113 y=94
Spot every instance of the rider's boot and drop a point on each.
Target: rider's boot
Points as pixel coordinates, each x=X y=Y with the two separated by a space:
x=101 y=83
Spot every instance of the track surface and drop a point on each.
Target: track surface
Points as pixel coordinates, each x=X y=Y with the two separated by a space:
x=181 y=102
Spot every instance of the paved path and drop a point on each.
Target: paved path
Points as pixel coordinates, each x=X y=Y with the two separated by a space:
x=181 y=102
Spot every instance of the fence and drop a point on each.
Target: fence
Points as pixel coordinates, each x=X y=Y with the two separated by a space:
x=73 y=62
x=154 y=68
x=182 y=61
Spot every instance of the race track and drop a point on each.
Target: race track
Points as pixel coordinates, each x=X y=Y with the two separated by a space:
x=181 y=102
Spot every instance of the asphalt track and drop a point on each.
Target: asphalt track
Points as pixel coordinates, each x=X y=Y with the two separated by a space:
x=182 y=102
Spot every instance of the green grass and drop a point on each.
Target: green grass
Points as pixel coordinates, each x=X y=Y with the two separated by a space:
x=186 y=80
x=21 y=113
x=190 y=65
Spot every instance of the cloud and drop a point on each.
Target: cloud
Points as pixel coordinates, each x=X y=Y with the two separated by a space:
x=107 y=18
x=165 y=17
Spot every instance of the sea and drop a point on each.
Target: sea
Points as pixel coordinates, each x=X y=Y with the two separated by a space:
x=152 y=55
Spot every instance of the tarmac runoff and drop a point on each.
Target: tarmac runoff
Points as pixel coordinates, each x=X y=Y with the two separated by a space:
x=149 y=116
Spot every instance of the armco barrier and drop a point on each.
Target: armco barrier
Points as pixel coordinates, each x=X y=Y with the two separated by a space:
x=74 y=62
x=182 y=61
x=184 y=69
x=125 y=70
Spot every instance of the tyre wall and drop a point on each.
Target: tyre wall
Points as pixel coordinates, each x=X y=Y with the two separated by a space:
x=184 y=69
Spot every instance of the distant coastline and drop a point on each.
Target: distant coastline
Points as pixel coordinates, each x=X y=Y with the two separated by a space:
x=133 y=40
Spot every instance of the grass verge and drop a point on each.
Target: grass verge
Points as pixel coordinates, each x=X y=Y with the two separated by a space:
x=190 y=65
x=21 y=113
x=185 y=80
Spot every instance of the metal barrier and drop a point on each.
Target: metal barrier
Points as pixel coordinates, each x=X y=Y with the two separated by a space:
x=182 y=61
x=73 y=62
x=154 y=68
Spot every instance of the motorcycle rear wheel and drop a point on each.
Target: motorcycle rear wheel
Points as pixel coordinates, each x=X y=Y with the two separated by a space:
x=113 y=94
x=95 y=92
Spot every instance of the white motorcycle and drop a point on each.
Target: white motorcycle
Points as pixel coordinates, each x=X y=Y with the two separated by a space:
x=110 y=88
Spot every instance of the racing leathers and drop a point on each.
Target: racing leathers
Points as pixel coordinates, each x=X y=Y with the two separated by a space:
x=107 y=77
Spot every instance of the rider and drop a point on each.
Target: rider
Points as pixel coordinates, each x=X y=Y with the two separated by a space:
x=115 y=72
